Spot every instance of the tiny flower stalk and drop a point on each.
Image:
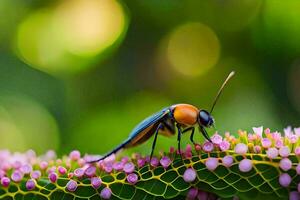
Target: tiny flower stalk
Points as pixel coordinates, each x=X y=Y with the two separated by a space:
x=240 y=166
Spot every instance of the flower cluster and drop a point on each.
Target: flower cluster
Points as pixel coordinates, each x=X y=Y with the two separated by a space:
x=28 y=167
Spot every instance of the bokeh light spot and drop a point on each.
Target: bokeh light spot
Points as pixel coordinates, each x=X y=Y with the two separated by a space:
x=88 y=27
x=70 y=37
x=26 y=124
x=193 y=48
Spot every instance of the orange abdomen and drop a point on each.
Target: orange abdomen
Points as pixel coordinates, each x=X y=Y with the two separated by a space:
x=185 y=114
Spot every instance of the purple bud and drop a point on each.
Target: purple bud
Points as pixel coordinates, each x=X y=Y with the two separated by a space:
x=90 y=171
x=43 y=165
x=154 y=162
x=188 y=148
x=16 y=176
x=26 y=169
x=36 y=174
x=125 y=159
x=278 y=143
x=258 y=131
x=118 y=166
x=202 y=195
x=189 y=175
x=211 y=163
x=165 y=161
x=272 y=153
x=224 y=145
x=227 y=161
x=5 y=181
x=285 y=180
x=216 y=138
x=141 y=162
x=285 y=164
x=74 y=155
x=266 y=143
x=257 y=149
x=292 y=138
x=284 y=151
x=297 y=151
x=52 y=177
x=208 y=146
x=62 y=170
x=192 y=194
x=30 y=184
x=71 y=185
x=298 y=169
x=79 y=172
x=96 y=182
x=245 y=165
x=241 y=148
x=294 y=195
x=132 y=178
x=105 y=193
x=128 y=168
x=108 y=168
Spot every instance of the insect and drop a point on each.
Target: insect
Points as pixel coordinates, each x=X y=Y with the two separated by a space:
x=180 y=117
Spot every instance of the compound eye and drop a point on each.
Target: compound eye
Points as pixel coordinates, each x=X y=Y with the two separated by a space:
x=204 y=118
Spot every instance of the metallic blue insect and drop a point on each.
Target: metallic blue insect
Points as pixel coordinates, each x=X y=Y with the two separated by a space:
x=183 y=117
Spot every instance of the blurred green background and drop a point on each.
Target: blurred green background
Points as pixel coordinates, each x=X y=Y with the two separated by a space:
x=80 y=74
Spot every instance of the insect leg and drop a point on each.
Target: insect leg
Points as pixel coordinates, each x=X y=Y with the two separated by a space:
x=204 y=133
x=192 y=134
x=154 y=141
x=179 y=139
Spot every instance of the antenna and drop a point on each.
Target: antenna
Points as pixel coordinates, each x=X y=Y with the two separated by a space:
x=221 y=89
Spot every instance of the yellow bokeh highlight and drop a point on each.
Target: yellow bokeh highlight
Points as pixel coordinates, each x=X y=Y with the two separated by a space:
x=88 y=27
x=25 y=124
x=70 y=36
x=193 y=49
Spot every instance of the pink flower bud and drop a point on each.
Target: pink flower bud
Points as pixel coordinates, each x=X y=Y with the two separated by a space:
x=192 y=194
x=26 y=169
x=90 y=171
x=258 y=131
x=118 y=166
x=30 y=184
x=43 y=165
x=285 y=164
x=284 y=151
x=272 y=153
x=266 y=143
x=216 y=138
x=79 y=172
x=241 y=148
x=36 y=174
x=105 y=193
x=132 y=178
x=294 y=195
x=154 y=162
x=224 y=145
x=211 y=163
x=129 y=168
x=96 y=182
x=74 y=155
x=189 y=175
x=285 y=180
x=245 y=165
x=71 y=185
x=208 y=146
x=165 y=161
x=5 y=181
x=52 y=177
x=16 y=176
x=62 y=170
x=297 y=151
x=257 y=149
x=227 y=161
x=141 y=162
